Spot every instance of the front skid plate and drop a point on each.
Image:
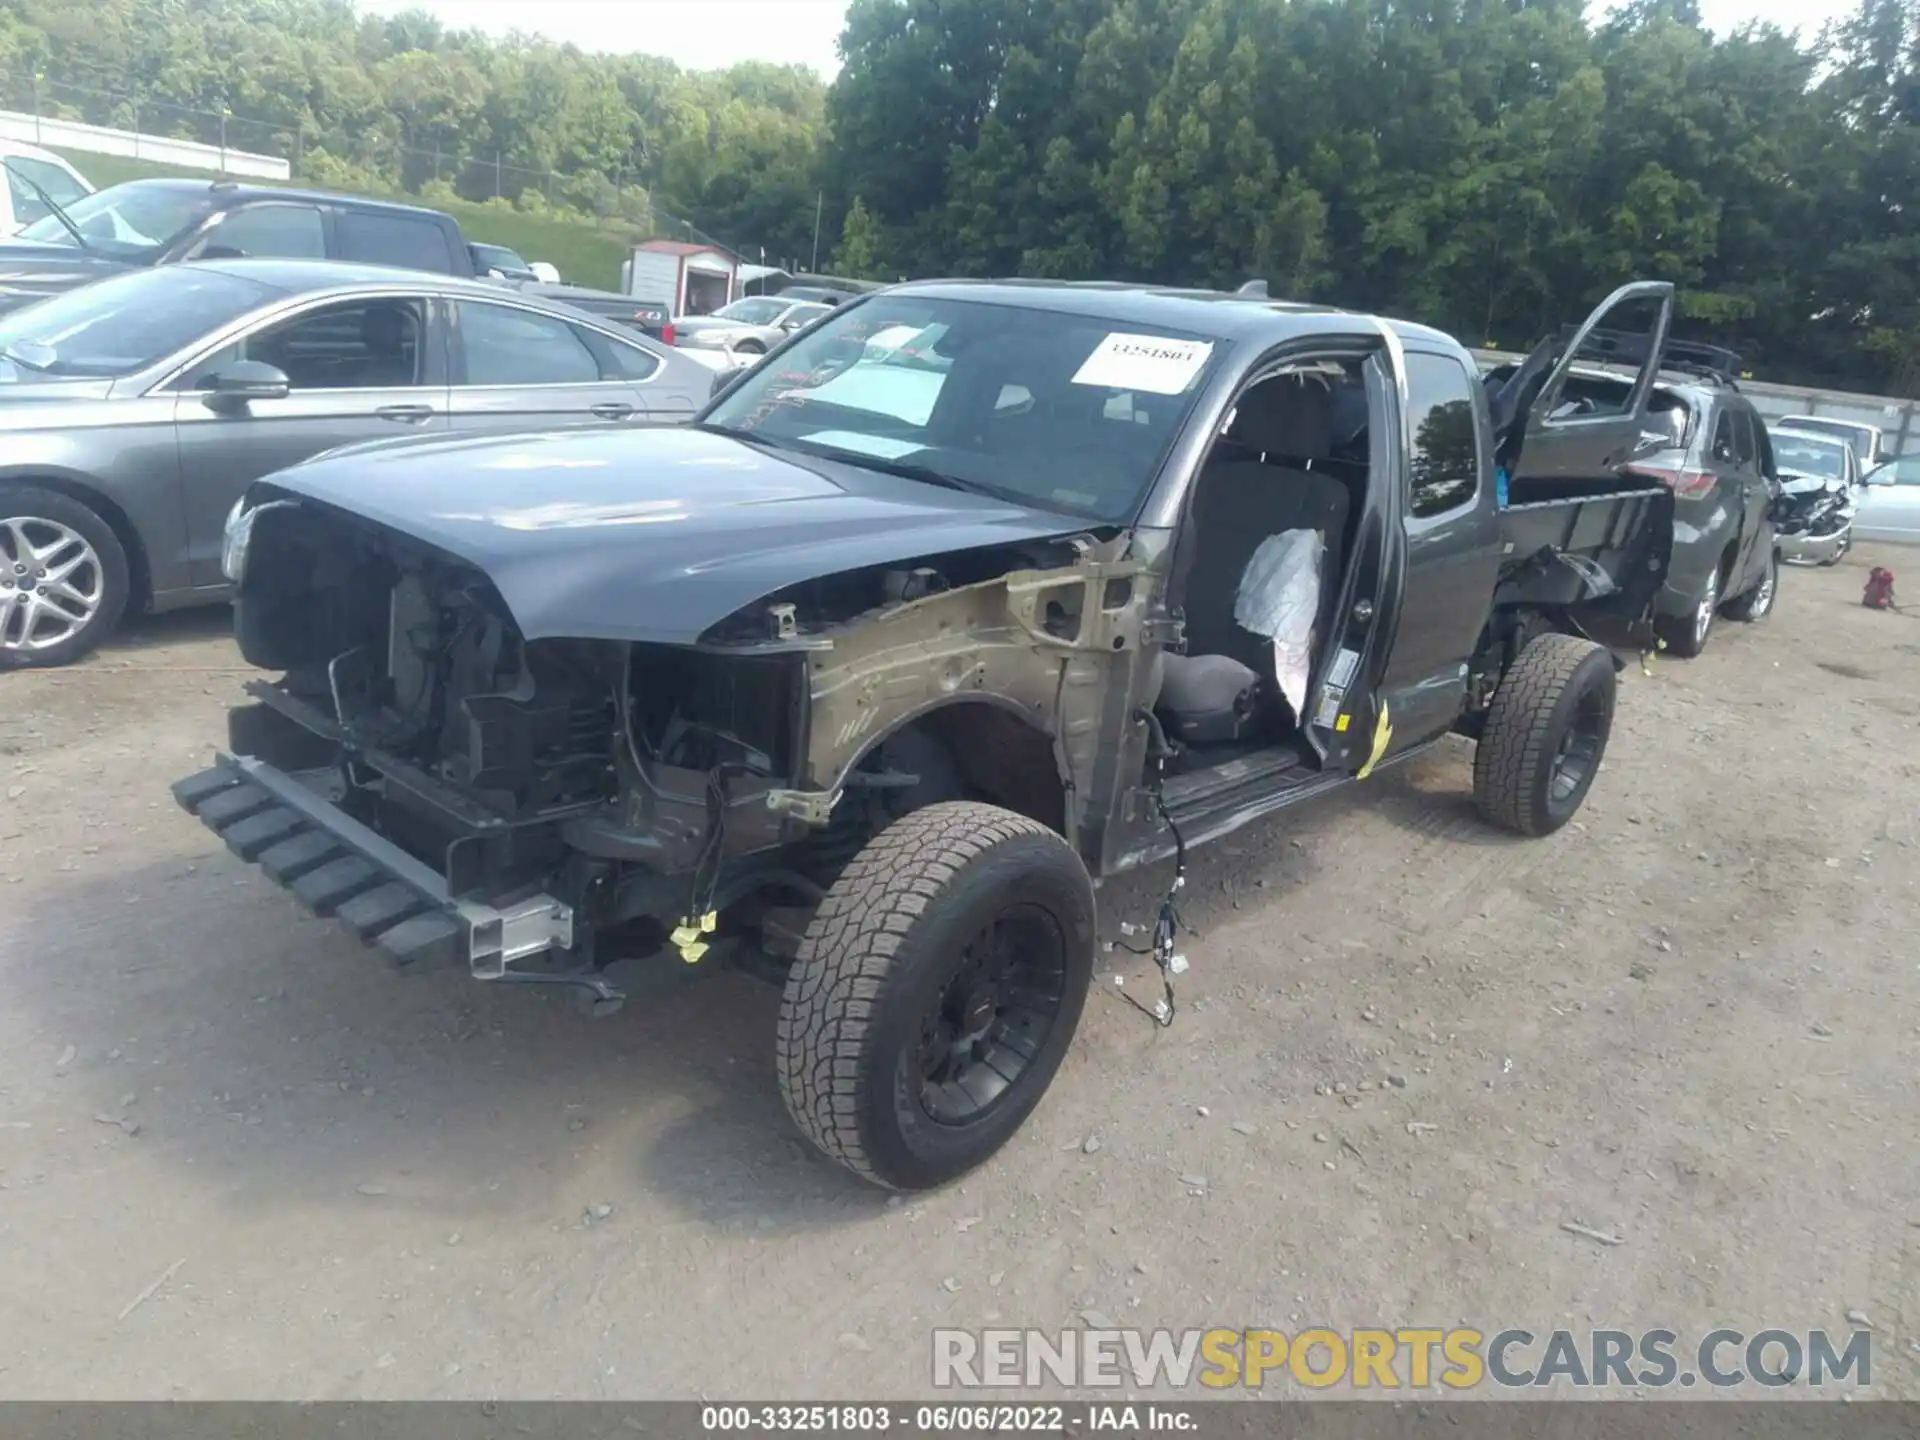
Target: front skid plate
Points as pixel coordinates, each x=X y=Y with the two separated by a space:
x=415 y=927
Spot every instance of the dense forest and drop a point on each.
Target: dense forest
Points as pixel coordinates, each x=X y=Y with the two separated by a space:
x=1491 y=166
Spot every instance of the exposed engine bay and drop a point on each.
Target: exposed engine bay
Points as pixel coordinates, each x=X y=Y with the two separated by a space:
x=658 y=782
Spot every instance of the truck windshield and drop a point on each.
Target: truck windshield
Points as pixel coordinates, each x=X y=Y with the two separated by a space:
x=1066 y=412
x=120 y=325
x=128 y=222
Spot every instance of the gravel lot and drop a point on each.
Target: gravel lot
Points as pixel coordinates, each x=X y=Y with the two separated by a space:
x=238 y=1158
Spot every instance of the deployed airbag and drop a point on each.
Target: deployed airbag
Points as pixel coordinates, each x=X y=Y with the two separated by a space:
x=1279 y=598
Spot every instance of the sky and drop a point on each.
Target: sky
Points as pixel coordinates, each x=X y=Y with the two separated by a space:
x=710 y=34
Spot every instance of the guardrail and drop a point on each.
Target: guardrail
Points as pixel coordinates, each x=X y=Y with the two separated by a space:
x=104 y=140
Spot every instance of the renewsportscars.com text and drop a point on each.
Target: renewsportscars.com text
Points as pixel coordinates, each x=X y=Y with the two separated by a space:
x=1412 y=1358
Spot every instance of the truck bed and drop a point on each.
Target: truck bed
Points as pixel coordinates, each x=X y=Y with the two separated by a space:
x=1606 y=552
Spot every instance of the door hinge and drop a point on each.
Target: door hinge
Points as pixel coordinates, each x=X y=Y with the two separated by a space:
x=1168 y=631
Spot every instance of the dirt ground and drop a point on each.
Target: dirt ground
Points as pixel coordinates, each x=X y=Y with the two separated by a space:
x=239 y=1158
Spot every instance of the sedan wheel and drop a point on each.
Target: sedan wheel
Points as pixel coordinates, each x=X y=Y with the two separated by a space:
x=1703 y=613
x=52 y=586
x=63 y=578
x=1686 y=634
x=1757 y=602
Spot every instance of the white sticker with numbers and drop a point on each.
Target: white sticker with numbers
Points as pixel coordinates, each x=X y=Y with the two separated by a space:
x=1144 y=362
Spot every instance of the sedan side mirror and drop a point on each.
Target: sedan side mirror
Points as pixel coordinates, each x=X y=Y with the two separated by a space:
x=234 y=385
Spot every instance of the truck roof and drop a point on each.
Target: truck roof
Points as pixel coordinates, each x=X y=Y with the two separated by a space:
x=1215 y=313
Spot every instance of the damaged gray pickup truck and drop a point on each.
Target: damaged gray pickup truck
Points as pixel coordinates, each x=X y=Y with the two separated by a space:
x=957 y=604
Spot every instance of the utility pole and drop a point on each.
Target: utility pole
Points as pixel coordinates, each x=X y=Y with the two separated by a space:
x=224 y=112
x=819 y=203
x=496 y=174
x=36 y=107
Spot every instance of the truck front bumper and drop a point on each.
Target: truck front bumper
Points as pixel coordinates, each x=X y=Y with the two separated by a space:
x=338 y=868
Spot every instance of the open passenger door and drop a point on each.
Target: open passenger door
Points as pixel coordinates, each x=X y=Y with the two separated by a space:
x=1546 y=434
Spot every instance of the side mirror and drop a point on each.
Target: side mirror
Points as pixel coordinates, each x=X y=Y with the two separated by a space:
x=245 y=380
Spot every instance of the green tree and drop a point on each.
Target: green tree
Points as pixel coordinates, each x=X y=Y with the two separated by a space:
x=857 y=256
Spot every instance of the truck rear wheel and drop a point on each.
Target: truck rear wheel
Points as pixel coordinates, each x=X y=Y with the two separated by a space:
x=936 y=992
x=1545 y=734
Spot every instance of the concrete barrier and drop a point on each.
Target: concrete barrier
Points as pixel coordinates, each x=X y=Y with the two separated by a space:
x=103 y=140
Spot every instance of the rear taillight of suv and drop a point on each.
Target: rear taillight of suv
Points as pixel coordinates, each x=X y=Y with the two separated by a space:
x=666 y=333
x=1688 y=482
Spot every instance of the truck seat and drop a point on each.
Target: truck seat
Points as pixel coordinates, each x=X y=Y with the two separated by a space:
x=1256 y=485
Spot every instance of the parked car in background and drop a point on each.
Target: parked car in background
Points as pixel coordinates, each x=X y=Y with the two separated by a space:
x=543 y=272
x=497 y=262
x=135 y=411
x=160 y=222
x=651 y=318
x=1702 y=439
x=1819 y=479
x=1889 y=506
x=1868 y=441
x=751 y=326
x=34 y=177
x=1721 y=471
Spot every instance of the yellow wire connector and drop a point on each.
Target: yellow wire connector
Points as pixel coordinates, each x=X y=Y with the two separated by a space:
x=686 y=936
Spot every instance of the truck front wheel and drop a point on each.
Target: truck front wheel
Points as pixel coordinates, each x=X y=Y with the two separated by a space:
x=936 y=992
x=1545 y=733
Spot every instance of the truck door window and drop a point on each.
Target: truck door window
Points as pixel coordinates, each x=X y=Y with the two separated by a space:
x=282 y=231
x=1621 y=340
x=1446 y=457
x=374 y=238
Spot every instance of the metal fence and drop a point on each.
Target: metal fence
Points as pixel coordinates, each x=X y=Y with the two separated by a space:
x=42 y=99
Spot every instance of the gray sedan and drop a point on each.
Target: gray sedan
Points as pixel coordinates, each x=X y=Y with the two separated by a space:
x=134 y=412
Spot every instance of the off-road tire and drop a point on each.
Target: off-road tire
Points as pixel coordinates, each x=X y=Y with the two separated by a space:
x=35 y=502
x=1532 y=711
x=1760 y=598
x=881 y=947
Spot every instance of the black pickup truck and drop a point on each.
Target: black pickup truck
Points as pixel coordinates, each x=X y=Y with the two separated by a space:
x=160 y=222
x=946 y=611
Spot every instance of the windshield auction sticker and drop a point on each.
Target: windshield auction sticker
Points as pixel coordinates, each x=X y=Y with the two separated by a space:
x=1144 y=362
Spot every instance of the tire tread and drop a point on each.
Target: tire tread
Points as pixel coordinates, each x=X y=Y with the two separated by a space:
x=833 y=989
x=1513 y=747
